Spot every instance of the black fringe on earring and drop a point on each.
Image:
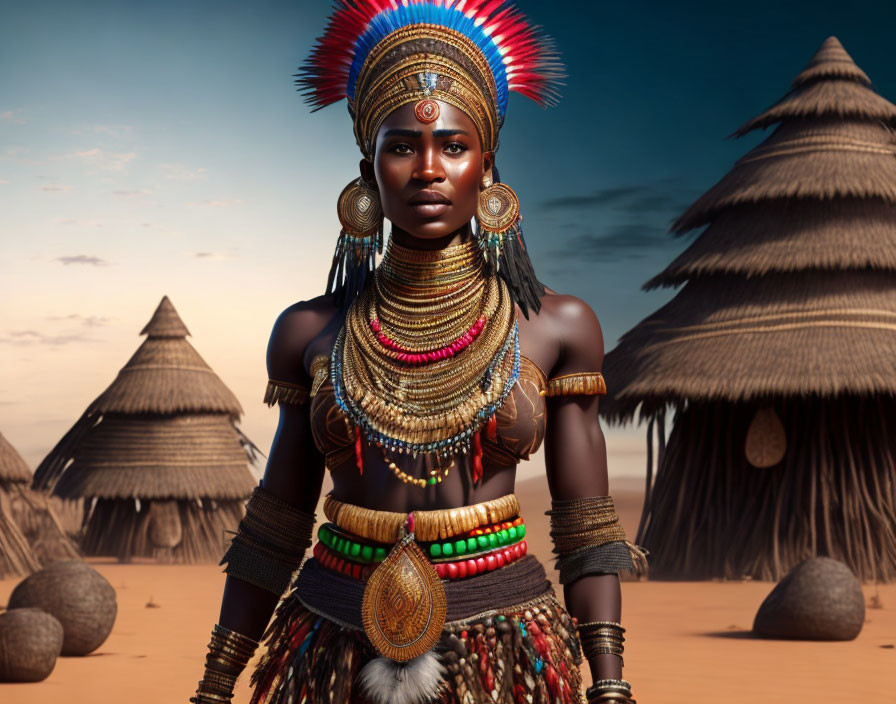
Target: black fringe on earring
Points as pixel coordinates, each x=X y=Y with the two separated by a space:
x=353 y=260
x=515 y=267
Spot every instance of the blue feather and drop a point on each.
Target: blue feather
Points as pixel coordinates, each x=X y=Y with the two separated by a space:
x=391 y=20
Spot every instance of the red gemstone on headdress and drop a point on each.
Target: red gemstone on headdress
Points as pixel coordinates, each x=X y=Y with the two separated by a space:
x=426 y=111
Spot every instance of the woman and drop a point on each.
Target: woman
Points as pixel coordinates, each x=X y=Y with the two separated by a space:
x=420 y=384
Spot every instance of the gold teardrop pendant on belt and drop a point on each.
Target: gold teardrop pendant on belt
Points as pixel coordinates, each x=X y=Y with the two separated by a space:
x=404 y=604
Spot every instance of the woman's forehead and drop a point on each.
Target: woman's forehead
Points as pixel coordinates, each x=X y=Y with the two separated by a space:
x=426 y=115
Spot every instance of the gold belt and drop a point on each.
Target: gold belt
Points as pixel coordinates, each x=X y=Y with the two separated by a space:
x=404 y=605
x=385 y=526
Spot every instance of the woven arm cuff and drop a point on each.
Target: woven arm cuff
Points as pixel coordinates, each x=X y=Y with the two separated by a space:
x=588 y=539
x=578 y=384
x=270 y=542
x=284 y=392
x=610 y=558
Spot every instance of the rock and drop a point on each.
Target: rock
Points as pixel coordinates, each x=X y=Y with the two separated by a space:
x=30 y=642
x=819 y=599
x=78 y=596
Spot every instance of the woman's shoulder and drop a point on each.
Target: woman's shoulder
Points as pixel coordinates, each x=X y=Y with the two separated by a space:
x=565 y=308
x=293 y=330
x=576 y=328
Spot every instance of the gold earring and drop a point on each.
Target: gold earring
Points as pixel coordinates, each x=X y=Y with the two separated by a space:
x=361 y=238
x=498 y=215
x=359 y=209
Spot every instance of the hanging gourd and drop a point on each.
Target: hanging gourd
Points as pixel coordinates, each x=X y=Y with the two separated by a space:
x=766 y=440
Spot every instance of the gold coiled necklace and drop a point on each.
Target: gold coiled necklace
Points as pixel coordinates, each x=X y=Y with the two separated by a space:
x=428 y=352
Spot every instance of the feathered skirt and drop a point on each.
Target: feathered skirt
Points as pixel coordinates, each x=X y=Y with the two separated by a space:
x=506 y=640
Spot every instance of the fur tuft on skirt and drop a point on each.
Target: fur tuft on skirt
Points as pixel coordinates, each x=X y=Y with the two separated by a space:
x=528 y=654
x=417 y=681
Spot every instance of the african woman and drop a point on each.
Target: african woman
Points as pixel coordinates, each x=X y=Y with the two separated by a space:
x=420 y=383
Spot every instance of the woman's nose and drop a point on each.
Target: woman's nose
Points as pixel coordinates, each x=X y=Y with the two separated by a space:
x=428 y=167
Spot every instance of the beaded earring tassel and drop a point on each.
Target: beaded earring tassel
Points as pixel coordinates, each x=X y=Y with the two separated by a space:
x=360 y=240
x=503 y=246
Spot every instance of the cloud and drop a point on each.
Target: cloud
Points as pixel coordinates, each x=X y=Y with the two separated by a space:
x=214 y=256
x=88 y=321
x=82 y=259
x=663 y=197
x=56 y=187
x=17 y=156
x=604 y=196
x=617 y=242
x=138 y=193
x=102 y=159
x=4 y=182
x=111 y=130
x=24 y=338
x=181 y=172
x=13 y=117
x=636 y=219
x=220 y=203
x=73 y=221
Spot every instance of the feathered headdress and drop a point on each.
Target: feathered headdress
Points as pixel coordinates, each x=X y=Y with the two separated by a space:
x=380 y=54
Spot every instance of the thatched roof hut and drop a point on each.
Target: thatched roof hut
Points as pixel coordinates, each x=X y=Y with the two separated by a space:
x=778 y=355
x=31 y=532
x=158 y=455
x=16 y=556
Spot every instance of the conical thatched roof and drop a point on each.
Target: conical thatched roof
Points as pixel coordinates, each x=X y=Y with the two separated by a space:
x=165 y=322
x=764 y=336
x=789 y=235
x=163 y=429
x=29 y=518
x=165 y=457
x=166 y=375
x=820 y=159
x=832 y=61
x=12 y=466
x=791 y=290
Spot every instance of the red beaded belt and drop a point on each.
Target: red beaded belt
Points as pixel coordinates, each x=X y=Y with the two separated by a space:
x=477 y=551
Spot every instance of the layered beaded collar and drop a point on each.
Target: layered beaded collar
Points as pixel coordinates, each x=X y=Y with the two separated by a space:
x=428 y=353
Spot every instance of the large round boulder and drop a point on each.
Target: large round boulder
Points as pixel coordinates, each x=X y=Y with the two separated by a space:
x=819 y=599
x=30 y=642
x=78 y=596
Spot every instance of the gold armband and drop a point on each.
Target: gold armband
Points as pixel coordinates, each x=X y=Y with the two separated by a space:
x=284 y=392
x=580 y=383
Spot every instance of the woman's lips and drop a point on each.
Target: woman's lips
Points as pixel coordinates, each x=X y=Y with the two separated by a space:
x=429 y=204
x=430 y=210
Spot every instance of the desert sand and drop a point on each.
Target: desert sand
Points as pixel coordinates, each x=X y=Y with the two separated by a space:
x=687 y=642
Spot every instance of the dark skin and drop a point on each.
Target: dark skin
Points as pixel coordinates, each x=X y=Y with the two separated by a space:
x=429 y=178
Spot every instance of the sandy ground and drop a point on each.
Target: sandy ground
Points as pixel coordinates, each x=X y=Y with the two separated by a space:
x=687 y=642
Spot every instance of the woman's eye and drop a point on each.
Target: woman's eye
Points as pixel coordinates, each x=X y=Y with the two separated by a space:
x=401 y=149
x=455 y=148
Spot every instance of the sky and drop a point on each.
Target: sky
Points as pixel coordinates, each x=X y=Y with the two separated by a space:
x=151 y=149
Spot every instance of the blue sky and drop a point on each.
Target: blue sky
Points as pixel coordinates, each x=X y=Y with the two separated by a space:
x=160 y=148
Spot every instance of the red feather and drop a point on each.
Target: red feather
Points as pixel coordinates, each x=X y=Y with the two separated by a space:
x=530 y=60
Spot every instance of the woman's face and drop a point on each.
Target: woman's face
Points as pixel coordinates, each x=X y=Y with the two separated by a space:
x=429 y=174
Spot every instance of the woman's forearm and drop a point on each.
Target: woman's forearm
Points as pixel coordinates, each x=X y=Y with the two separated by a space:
x=246 y=608
x=597 y=597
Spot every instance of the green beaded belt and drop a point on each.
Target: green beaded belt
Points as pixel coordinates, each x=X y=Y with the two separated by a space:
x=481 y=550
